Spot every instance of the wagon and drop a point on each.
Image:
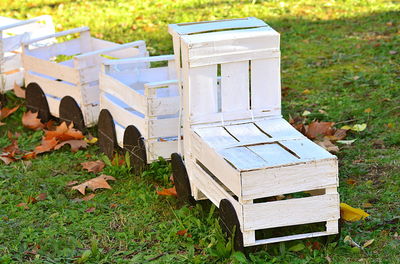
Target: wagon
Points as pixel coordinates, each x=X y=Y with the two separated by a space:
x=12 y=33
x=262 y=174
x=62 y=79
x=139 y=108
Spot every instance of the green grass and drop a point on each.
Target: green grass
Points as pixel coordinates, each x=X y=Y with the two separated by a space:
x=339 y=50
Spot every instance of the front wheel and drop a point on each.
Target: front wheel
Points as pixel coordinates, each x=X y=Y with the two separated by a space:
x=134 y=145
x=36 y=101
x=106 y=132
x=230 y=224
x=181 y=179
x=70 y=112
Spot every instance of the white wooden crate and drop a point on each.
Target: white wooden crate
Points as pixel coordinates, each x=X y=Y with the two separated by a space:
x=12 y=33
x=78 y=75
x=237 y=145
x=146 y=97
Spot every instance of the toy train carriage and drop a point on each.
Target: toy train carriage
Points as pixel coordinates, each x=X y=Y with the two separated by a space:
x=62 y=79
x=239 y=152
x=12 y=33
x=140 y=106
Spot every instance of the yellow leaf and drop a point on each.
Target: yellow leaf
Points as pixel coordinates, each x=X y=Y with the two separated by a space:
x=368 y=110
x=359 y=127
x=351 y=214
x=92 y=140
x=306 y=113
x=346 y=127
x=306 y=91
x=368 y=243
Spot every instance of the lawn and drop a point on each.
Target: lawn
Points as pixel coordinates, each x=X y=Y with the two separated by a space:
x=340 y=62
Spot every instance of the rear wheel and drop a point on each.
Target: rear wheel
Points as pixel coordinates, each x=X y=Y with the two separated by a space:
x=230 y=224
x=71 y=112
x=107 y=134
x=181 y=179
x=36 y=101
x=134 y=145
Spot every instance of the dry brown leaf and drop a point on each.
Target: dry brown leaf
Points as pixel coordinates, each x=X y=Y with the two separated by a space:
x=12 y=148
x=75 y=144
x=90 y=210
x=95 y=183
x=328 y=145
x=351 y=181
x=30 y=120
x=64 y=133
x=338 y=135
x=113 y=205
x=168 y=192
x=71 y=183
x=46 y=145
x=29 y=155
x=32 y=200
x=5 y=112
x=317 y=128
x=41 y=197
x=23 y=205
x=18 y=91
x=182 y=232
x=89 y=197
x=93 y=166
x=7 y=159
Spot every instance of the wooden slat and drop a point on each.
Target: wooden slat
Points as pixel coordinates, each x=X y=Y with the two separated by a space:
x=216 y=137
x=10 y=79
x=287 y=238
x=119 y=130
x=163 y=106
x=274 y=154
x=122 y=116
x=265 y=83
x=90 y=114
x=54 y=105
x=307 y=150
x=55 y=88
x=243 y=158
x=278 y=127
x=54 y=70
x=68 y=48
x=235 y=86
x=167 y=127
x=247 y=132
x=163 y=149
x=289 y=179
x=203 y=90
x=123 y=92
x=291 y=212
x=12 y=63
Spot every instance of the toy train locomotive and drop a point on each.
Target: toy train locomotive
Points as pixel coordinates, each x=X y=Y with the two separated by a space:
x=214 y=108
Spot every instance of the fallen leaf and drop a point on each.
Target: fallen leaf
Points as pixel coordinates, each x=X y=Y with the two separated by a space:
x=351 y=214
x=368 y=243
x=31 y=200
x=392 y=52
x=113 y=205
x=29 y=155
x=75 y=144
x=317 y=128
x=297 y=247
x=93 y=166
x=367 y=205
x=5 y=112
x=94 y=184
x=30 y=120
x=368 y=110
x=182 y=232
x=12 y=148
x=348 y=240
x=306 y=91
x=46 y=145
x=359 y=127
x=64 y=133
x=91 y=140
x=24 y=205
x=356 y=78
x=90 y=210
x=168 y=192
x=306 y=113
x=328 y=145
x=71 y=183
x=41 y=197
x=18 y=91
x=89 y=197
x=346 y=142
x=7 y=159
x=351 y=181
x=338 y=135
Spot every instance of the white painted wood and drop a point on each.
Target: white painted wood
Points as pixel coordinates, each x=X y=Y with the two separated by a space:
x=289 y=179
x=161 y=149
x=56 y=35
x=291 y=212
x=163 y=106
x=119 y=131
x=167 y=127
x=235 y=86
x=265 y=83
x=332 y=226
x=278 y=127
x=287 y=238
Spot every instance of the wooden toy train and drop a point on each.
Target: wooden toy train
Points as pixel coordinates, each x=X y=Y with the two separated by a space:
x=214 y=108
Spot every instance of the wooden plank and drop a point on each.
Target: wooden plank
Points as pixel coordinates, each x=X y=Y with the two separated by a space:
x=54 y=105
x=235 y=86
x=287 y=238
x=205 y=26
x=278 y=127
x=247 y=132
x=307 y=150
x=291 y=212
x=163 y=149
x=163 y=106
x=167 y=127
x=289 y=179
x=52 y=69
x=121 y=115
x=90 y=93
x=123 y=92
x=242 y=158
x=90 y=114
x=68 y=48
x=119 y=130
x=274 y=154
x=10 y=79
x=56 y=88
x=12 y=63
x=203 y=90
x=215 y=163
x=216 y=137
x=265 y=83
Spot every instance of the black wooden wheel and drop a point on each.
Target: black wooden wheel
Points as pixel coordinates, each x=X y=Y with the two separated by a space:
x=134 y=145
x=181 y=179
x=71 y=112
x=36 y=101
x=106 y=132
x=230 y=224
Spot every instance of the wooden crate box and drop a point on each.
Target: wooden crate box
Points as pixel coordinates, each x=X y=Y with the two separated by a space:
x=63 y=78
x=140 y=106
x=238 y=150
x=12 y=33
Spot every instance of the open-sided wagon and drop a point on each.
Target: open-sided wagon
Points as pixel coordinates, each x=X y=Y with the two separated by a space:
x=238 y=150
x=139 y=108
x=12 y=33
x=62 y=79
